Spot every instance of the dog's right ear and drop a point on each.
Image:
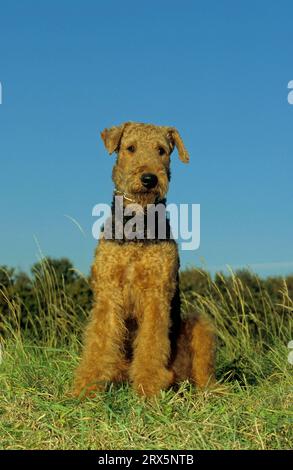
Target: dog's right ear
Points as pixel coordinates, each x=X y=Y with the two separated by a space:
x=112 y=137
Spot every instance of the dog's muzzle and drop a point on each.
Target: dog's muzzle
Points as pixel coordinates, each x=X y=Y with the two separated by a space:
x=149 y=180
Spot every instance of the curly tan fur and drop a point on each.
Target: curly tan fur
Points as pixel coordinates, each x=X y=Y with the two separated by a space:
x=135 y=331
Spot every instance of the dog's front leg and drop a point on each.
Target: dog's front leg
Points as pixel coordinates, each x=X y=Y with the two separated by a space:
x=102 y=358
x=148 y=371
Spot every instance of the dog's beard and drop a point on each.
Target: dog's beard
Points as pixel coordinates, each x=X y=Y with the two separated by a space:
x=132 y=189
x=146 y=196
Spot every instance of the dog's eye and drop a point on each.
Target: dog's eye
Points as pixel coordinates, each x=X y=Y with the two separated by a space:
x=131 y=148
x=161 y=151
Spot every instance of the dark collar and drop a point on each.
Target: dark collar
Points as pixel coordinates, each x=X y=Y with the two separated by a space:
x=152 y=225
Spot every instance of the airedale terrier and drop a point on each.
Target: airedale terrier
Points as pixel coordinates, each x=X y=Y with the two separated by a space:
x=136 y=331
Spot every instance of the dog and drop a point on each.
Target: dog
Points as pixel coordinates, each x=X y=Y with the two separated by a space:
x=136 y=332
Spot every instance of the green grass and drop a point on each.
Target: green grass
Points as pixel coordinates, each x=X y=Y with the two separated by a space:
x=37 y=413
x=253 y=409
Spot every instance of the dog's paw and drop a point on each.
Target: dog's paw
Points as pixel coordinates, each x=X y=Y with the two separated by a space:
x=152 y=383
x=84 y=389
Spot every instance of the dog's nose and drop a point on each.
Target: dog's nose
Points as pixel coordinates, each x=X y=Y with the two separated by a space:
x=149 y=180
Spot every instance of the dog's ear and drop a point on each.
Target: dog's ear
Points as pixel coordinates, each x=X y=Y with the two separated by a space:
x=175 y=139
x=112 y=137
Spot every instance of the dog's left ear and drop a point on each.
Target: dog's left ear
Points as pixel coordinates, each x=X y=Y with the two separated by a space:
x=175 y=139
x=112 y=137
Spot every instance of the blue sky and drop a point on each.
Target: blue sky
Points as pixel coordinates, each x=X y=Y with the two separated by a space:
x=218 y=71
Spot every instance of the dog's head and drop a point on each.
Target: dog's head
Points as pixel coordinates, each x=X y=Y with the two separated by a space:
x=142 y=169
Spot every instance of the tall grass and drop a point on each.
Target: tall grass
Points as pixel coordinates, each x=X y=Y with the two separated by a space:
x=245 y=331
x=59 y=319
x=40 y=352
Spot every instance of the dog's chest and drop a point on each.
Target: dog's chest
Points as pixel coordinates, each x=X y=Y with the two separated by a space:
x=137 y=264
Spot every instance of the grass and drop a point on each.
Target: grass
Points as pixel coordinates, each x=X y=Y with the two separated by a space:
x=253 y=410
x=36 y=412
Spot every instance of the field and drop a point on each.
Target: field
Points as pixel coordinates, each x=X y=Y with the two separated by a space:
x=251 y=408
